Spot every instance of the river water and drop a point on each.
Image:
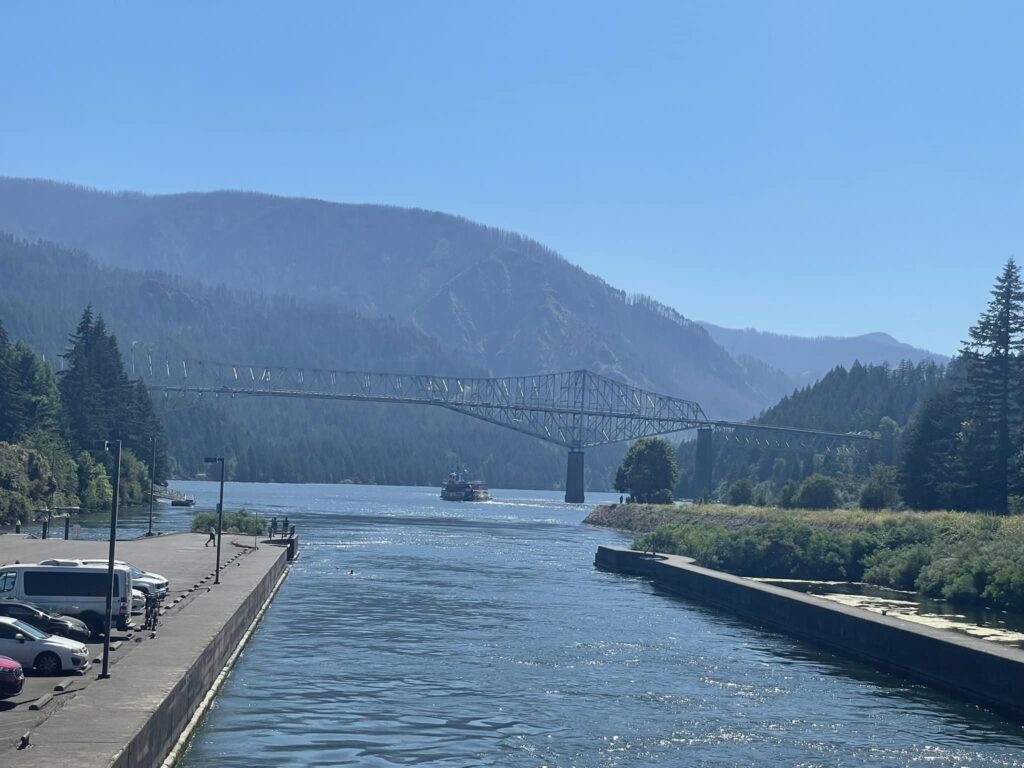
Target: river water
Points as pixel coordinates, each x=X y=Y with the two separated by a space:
x=419 y=632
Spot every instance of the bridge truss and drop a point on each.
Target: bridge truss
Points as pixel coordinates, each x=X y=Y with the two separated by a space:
x=574 y=409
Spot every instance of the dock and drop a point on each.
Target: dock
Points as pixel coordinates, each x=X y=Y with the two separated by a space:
x=159 y=683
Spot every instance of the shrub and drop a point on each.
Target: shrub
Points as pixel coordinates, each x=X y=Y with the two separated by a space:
x=241 y=521
x=817 y=492
x=741 y=492
x=880 y=490
x=787 y=495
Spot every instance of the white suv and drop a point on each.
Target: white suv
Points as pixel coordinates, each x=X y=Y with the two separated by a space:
x=144 y=581
x=49 y=654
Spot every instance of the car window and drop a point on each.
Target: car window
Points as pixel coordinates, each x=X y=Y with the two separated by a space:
x=30 y=631
x=7 y=632
x=7 y=579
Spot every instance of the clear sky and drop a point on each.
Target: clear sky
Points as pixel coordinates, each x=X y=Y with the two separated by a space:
x=811 y=168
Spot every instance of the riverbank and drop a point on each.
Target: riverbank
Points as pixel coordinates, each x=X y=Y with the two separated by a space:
x=976 y=669
x=157 y=683
x=964 y=558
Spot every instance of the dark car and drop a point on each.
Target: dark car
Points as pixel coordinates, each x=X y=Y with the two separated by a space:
x=44 y=620
x=12 y=677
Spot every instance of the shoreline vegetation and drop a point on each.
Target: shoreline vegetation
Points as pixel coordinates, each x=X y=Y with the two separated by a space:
x=965 y=558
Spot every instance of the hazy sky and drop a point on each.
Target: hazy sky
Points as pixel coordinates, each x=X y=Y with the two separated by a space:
x=809 y=168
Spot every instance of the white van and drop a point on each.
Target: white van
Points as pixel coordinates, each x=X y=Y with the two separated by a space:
x=79 y=592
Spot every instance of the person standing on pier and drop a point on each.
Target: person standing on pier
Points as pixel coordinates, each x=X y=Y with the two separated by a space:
x=212 y=530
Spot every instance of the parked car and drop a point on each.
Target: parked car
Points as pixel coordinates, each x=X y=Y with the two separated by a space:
x=47 y=654
x=80 y=592
x=12 y=677
x=44 y=620
x=146 y=581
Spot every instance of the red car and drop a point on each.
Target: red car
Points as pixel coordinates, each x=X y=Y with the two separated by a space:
x=12 y=677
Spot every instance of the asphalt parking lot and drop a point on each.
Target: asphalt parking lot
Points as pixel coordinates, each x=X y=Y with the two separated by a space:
x=182 y=558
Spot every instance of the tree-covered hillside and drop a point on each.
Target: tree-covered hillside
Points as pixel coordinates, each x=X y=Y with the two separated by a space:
x=272 y=439
x=863 y=398
x=506 y=302
x=54 y=430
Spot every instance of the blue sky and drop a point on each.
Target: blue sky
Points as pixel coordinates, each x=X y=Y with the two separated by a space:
x=812 y=168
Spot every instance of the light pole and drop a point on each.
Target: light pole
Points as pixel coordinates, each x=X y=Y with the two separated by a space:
x=110 y=557
x=152 y=486
x=220 y=511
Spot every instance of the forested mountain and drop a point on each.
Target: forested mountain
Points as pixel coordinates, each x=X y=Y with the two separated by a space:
x=45 y=288
x=509 y=304
x=805 y=360
x=863 y=398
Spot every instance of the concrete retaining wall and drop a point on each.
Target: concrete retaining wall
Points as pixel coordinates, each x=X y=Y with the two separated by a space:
x=154 y=741
x=977 y=669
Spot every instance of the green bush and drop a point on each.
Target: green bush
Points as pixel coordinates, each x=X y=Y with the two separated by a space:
x=958 y=557
x=881 y=489
x=240 y=521
x=741 y=492
x=817 y=492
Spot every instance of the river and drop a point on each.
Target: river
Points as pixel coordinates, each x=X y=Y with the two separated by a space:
x=416 y=631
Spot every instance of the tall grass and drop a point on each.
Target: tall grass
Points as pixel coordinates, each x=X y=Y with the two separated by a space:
x=958 y=556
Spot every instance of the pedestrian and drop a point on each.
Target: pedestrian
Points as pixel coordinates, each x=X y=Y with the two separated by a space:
x=273 y=526
x=284 y=528
x=212 y=530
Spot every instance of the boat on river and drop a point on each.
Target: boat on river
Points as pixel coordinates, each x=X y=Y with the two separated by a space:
x=458 y=488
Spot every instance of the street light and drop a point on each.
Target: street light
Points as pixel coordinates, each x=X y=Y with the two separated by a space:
x=107 y=445
x=220 y=510
x=152 y=486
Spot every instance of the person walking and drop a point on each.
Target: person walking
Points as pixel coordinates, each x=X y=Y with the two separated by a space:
x=212 y=530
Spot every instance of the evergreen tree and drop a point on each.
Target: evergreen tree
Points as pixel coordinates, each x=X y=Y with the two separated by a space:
x=992 y=358
x=102 y=404
x=650 y=471
x=928 y=466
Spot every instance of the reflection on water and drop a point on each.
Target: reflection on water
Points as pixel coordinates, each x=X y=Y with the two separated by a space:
x=418 y=632
x=1005 y=627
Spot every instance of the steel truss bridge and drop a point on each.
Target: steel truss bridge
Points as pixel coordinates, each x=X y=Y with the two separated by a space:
x=574 y=409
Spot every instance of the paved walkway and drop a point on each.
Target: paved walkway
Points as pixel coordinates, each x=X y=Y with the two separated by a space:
x=194 y=610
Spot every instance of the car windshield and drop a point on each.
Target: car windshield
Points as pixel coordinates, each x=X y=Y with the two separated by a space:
x=30 y=631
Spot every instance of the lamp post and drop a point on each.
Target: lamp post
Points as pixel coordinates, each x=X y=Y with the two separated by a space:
x=152 y=486
x=220 y=511
x=108 y=445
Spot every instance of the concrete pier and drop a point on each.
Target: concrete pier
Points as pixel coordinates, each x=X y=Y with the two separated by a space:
x=976 y=669
x=574 y=478
x=156 y=683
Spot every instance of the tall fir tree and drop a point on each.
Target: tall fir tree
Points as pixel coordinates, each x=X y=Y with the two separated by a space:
x=993 y=388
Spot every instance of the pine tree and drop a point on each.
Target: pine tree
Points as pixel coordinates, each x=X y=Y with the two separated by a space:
x=992 y=358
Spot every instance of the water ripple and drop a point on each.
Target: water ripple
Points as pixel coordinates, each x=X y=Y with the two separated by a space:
x=479 y=635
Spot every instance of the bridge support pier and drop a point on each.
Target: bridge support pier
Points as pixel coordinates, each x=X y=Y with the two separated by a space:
x=703 y=470
x=574 y=478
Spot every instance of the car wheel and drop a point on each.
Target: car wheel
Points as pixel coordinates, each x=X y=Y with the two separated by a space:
x=48 y=663
x=94 y=623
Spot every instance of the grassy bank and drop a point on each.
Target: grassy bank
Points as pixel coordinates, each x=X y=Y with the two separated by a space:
x=966 y=558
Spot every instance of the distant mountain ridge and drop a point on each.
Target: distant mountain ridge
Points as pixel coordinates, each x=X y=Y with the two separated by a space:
x=808 y=359
x=505 y=303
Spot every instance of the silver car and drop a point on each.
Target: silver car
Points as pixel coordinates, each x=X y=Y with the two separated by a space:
x=48 y=654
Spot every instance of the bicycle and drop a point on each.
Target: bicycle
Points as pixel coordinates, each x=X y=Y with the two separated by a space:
x=152 y=613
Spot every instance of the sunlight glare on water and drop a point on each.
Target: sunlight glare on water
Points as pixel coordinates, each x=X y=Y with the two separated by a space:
x=481 y=634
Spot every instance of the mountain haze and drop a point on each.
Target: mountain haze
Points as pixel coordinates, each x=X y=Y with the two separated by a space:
x=505 y=302
x=807 y=359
